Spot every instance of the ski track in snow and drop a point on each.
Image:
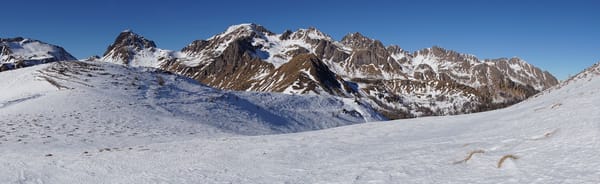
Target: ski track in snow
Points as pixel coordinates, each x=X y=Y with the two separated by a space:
x=44 y=144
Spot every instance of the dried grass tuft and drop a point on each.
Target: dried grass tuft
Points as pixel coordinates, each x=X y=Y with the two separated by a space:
x=506 y=157
x=471 y=153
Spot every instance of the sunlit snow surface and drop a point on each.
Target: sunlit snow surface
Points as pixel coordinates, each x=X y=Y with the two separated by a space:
x=555 y=136
x=27 y=49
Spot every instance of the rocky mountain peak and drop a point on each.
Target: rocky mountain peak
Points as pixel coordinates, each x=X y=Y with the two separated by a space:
x=132 y=49
x=355 y=36
x=399 y=54
x=517 y=60
x=235 y=39
x=524 y=73
x=395 y=49
x=443 y=54
x=433 y=51
x=311 y=33
x=243 y=30
x=358 y=41
x=127 y=39
x=286 y=35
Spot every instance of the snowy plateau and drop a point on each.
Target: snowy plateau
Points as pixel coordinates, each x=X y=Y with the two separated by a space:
x=90 y=122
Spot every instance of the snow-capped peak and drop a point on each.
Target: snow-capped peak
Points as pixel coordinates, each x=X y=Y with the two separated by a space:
x=21 y=52
x=276 y=49
x=129 y=38
x=132 y=49
x=246 y=26
x=242 y=30
x=310 y=33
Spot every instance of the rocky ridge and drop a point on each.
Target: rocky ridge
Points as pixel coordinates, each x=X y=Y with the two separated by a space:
x=399 y=84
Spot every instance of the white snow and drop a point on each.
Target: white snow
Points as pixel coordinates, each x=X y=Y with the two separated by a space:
x=232 y=28
x=277 y=49
x=147 y=57
x=33 y=49
x=555 y=136
x=430 y=60
x=28 y=49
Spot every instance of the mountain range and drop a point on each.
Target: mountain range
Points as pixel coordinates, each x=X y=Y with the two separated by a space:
x=97 y=122
x=141 y=114
x=393 y=81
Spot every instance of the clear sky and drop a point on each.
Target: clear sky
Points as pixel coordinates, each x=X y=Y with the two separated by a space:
x=562 y=37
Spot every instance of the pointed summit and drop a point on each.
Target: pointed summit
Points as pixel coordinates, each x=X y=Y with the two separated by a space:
x=398 y=53
x=243 y=30
x=286 y=35
x=356 y=36
x=311 y=33
x=128 y=45
x=396 y=49
x=131 y=40
x=358 y=40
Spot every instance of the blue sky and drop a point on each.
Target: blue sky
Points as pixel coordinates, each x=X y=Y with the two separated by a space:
x=562 y=37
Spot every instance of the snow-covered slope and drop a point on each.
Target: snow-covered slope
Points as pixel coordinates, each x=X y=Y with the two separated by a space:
x=551 y=138
x=22 y=52
x=108 y=93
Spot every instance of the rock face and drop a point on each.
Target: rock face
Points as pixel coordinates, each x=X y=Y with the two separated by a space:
x=369 y=59
x=132 y=49
x=22 y=52
x=397 y=83
x=304 y=73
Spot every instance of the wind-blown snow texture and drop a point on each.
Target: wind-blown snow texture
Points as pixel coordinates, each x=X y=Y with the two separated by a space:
x=554 y=136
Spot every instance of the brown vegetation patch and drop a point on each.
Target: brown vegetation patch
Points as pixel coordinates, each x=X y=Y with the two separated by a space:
x=469 y=156
x=506 y=157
